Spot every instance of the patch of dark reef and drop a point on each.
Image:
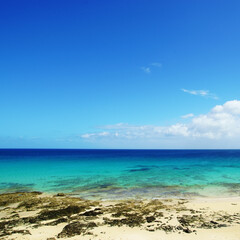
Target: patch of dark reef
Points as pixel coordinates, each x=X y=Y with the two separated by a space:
x=143 y=169
x=11 y=187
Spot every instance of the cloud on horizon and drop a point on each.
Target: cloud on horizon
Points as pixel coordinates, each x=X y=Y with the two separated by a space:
x=202 y=93
x=221 y=123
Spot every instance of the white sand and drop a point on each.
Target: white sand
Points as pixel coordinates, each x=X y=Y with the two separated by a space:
x=220 y=205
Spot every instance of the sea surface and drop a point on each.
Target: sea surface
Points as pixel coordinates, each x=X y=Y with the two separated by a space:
x=122 y=174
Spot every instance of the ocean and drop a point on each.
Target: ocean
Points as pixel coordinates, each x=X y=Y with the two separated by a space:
x=122 y=174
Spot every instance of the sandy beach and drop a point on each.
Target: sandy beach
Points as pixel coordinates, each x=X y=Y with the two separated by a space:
x=37 y=215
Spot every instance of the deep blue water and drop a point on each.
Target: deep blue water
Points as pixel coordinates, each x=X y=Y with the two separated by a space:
x=122 y=173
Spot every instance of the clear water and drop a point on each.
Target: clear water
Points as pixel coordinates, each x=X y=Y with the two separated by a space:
x=120 y=174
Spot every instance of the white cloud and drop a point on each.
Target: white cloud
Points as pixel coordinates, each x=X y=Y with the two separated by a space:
x=202 y=93
x=156 y=64
x=220 y=124
x=187 y=116
x=146 y=69
x=149 y=69
x=91 y=135
x=87 y=135
x=103 y=134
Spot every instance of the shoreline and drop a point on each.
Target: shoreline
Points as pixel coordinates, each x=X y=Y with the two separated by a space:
x=129 y=198
x=41 y=216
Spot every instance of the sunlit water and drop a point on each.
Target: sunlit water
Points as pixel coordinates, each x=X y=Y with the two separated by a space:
x=120 y=174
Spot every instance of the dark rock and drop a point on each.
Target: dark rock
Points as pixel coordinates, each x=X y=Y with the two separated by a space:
x=9 y=198
x=53 y=214
x=37 y=225
x=60 y=195
x=150 y=229
x=36 y=192
x=10 y=232
x=10 y=224
x=97 y=209
x=30 y=203
x=132 y=220
x=184 y=221
x=158 y=214
x=187 y=230
x=54 y=223
x=222 y=225
x=150 y=219
x=167 y=228
x=207 y=225
x=2 y=225
x=213 y=222
x=16 y=215
x=24 y=232
x=189 y=220
x=71 y=230
x=179 y=227
x=76 y=228
x=92 y=213
x=30 y=220
x=91 y=225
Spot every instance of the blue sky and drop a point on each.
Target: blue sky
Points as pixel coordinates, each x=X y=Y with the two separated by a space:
x=119 y=74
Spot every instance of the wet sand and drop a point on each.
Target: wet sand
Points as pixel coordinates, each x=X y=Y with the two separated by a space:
x=37 y=215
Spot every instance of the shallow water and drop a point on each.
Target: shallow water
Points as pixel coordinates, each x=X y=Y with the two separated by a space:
x=118 y=174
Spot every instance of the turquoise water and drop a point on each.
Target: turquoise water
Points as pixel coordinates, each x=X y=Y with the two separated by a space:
x=118 y=174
